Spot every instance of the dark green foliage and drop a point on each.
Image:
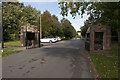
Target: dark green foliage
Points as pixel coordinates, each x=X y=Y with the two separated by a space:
x=68 y=30
x=84 y=28
x=32 y=15
x=16 y=15
x=47 y=24
x=13 y=18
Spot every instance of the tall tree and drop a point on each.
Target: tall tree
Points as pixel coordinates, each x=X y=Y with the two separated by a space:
x=68 y=29
x=13 y=18
x=57 y=30
x=46 y=23
x=32 y=15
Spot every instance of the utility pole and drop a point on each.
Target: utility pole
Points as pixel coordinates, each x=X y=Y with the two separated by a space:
x=2 y=43
x=26 y=41
x=40 y=28
x=40 y=33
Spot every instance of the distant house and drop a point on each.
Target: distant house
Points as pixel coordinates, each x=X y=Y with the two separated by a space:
x=79 y=33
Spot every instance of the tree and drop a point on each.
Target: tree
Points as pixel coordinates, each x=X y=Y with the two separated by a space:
x=46 y=23
x=15 y=15
x=32 y=15
x=68 y=29
x=50 y=25
x=57 y=30
x=13 y=18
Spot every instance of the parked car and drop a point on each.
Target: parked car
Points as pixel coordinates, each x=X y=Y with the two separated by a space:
x=48 y=39
x=58 y=38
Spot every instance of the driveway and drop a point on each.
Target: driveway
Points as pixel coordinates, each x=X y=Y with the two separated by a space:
x=65 y=59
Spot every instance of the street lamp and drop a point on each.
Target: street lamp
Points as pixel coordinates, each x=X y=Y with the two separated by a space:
x=40 y=33
x=40 y=28
x=26 y=42
x=2 y=43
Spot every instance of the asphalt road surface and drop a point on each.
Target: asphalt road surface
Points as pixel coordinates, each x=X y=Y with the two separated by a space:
x=65 y=59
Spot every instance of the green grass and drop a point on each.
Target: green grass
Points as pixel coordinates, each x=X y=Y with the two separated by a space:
x=107 y=65
x=8 y=51
x=83 y=38
x=77 y=36
x=13 y=43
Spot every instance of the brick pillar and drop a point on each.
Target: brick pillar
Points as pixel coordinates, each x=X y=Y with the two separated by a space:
x=108 y=40
x=35 y=41
x=21 y=36
x=104 y=40
x=92 y=33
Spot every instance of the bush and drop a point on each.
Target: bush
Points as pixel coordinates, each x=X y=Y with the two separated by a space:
x=12 y=36
x=78 y=36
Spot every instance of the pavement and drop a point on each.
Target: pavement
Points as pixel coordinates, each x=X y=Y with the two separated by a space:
x=64 y=59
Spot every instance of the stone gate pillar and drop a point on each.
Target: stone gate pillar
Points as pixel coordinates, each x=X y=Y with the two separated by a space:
x=104 y=40
x=108 y=37
x=22 y=36
x=92 y=34
x=32 y=36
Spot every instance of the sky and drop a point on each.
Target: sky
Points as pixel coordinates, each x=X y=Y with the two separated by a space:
x=53 y=8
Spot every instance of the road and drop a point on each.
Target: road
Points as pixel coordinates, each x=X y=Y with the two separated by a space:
x=65 y=59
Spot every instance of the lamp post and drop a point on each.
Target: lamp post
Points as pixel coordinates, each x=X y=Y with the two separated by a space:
x=2 y=43
x=26 y=37
x=40 y=33
x=40 y=28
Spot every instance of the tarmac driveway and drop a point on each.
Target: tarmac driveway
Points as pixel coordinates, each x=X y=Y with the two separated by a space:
x=65 y=59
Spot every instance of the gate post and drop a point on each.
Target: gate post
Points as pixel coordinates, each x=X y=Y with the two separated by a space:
x=92 y=33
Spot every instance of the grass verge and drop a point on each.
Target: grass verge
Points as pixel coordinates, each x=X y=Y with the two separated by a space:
x=13 y=43
x=8 y=51
x=107 y=64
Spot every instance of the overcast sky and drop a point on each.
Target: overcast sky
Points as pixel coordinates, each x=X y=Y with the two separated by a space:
x=53 y=8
